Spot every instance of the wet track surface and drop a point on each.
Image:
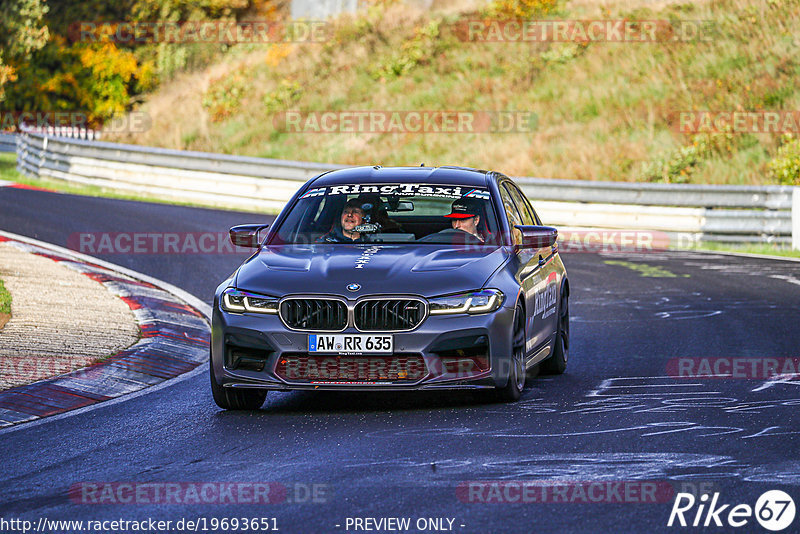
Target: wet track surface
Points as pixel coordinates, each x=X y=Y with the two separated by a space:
x=618 y=414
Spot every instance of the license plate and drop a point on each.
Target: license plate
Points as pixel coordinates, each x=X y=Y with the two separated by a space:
x=350 y=344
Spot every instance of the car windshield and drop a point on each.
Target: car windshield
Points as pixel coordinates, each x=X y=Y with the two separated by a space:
x=391 y=213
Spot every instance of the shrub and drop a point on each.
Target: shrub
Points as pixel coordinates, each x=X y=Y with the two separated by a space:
x=785 y=166
x=677 y=167
x=287 y=93
x=520 y=9
x=223 y=97
x=418 y=50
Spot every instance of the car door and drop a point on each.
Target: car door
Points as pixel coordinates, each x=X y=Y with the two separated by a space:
x=529 y=274
x=546 y=309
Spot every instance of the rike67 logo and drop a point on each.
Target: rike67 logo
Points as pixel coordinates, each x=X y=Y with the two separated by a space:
x=774 y=510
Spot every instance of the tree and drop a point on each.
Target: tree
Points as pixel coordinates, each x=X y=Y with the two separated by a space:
x=22 y=31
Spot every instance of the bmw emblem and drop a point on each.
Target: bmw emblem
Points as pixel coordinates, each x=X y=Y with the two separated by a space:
x=353 y=287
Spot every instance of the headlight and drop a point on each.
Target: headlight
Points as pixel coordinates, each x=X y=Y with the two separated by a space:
x=484 y=301
x=237 y=301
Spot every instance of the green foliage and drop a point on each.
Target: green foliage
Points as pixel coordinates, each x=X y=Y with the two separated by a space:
x=678 y=166
x=21 y=32
x=5 y=300
x=108 y=75
x=785 y=166
x=520 y=9
x=287 y=93
x=148 y=10
x=563 y=53
x=21 y=28
x=418 y=50
x=224 y=96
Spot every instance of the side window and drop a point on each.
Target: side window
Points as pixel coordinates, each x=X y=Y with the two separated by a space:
x=512 y=214
x=524 y=209
x=536 y=216
x=530 y=207
x=316 y=218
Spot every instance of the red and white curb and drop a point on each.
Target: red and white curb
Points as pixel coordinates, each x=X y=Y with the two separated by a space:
x=175 y=340
x=14 y=185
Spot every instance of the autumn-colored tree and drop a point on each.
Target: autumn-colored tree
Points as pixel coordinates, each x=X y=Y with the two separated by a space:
x=21 y=32
x=60 y=70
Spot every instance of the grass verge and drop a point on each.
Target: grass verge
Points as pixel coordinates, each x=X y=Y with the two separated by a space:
x=8 y=167
x=5 y=305
x=757 y=249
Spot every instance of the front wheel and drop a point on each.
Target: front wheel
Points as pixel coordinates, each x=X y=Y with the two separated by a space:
x=557 y=363
x=234 y=398
x=516 y=372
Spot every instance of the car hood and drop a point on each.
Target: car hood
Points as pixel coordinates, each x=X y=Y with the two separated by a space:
x=425 y=270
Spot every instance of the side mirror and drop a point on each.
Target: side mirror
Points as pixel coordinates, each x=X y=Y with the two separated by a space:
x=537 y=236
x=246 y=235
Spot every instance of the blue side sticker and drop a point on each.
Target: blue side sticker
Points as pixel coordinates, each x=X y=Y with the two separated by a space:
x=312 y=343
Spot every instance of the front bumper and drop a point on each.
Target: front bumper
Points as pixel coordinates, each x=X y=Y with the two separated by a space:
x=246 y=349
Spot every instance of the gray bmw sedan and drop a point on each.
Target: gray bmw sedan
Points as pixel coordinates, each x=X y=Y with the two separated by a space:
x=394 y=279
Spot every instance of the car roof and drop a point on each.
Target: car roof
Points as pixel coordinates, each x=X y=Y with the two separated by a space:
x=382 y=175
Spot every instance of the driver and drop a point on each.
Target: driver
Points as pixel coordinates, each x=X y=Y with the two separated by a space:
x=465 y=216
x=345 y=232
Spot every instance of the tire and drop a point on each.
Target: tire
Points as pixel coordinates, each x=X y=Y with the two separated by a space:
x=235 y=398
x=557 y=363
x=512 y=391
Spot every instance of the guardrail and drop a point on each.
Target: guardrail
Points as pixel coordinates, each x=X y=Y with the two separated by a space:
x=71 y=132
x=734 y=214
x=8 y=142
x=322 y=9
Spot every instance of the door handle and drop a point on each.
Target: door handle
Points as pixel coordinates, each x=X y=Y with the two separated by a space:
x=541 y=260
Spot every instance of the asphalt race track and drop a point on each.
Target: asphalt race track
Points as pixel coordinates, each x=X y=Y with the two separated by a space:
x=618 y=415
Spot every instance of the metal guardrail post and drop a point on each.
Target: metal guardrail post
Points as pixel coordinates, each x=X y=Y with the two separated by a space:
x=796 y=219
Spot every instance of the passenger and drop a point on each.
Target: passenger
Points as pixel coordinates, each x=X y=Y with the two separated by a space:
x=345 y=231
x=465 y=215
